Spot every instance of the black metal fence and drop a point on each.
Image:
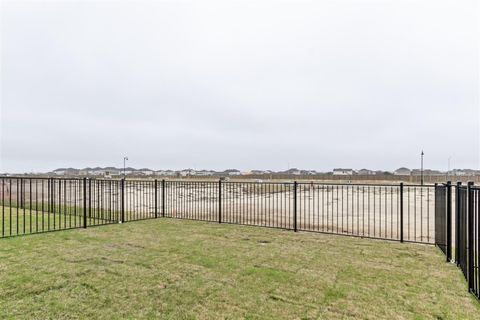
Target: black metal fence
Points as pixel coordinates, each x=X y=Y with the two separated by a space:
x=464 y=225
x=468 y=245
x=392 y=212
x=30 y=205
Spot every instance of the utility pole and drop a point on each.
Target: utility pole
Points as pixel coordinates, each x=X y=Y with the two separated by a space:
x=421 y=168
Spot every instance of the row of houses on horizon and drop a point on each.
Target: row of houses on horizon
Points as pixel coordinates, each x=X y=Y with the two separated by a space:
x=129 y=171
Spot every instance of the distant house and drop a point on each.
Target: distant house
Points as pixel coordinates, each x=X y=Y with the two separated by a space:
x=84 y=172
x=294 y=171
x=459 y=172
x=145 y=171
x=170 y=173
x=383 y=173
x=464 y=172
x=65 y=172
x=111 y=172
x=365 y=172
x=232 y=172
x=203 y=173
x=106 y=172
x=129 y=170
x=186 y=172
x=426 y=172
x=402 y=172
x=60 y=171
x=164 y=173
x=258 y=172
x=429 y=172
x=343 y=172
x=97 y=171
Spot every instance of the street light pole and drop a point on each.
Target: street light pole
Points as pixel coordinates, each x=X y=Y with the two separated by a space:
x=421 y=169
x=124 y=160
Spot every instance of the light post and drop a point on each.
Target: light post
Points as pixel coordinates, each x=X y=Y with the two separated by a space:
x=421 y=169
x=124 y=160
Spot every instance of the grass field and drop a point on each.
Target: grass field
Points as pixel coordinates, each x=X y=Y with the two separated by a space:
x=176 y=269
x=18 y=221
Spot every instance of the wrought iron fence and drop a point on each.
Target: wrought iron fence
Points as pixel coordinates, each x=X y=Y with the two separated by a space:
x=467 y=242
x=392 y=212
x=460 y=230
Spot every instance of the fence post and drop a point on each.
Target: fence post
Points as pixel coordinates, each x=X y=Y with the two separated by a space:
x=90 y=199
x=436 y=221
x=295 y=206
x=47 y=200
x=20 y=199
x=457 y=222
x=122 y=204
x=220 y=201
x=449 y=221
x=48 y=193
x=163 y=197
x=156 y=202
x=470 y=236
x=401 y=212
x=84 y=202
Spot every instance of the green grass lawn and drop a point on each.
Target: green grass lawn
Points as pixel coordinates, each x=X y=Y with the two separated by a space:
x=18 y=221
x=176 y=269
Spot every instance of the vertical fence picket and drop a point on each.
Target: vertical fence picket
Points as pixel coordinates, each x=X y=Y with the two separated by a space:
x=156 y=198
x=470 y=236
x=401 y=212
x=449 y=221
x=457 y=223
x=219 y=201
x=122 y=201
x=163 y=198
x=85 y=202
x=295 y=206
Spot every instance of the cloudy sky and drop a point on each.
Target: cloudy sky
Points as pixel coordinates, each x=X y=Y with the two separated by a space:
x=239 y=84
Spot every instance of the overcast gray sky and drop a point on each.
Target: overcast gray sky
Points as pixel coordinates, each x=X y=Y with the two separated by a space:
x=239 y=84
